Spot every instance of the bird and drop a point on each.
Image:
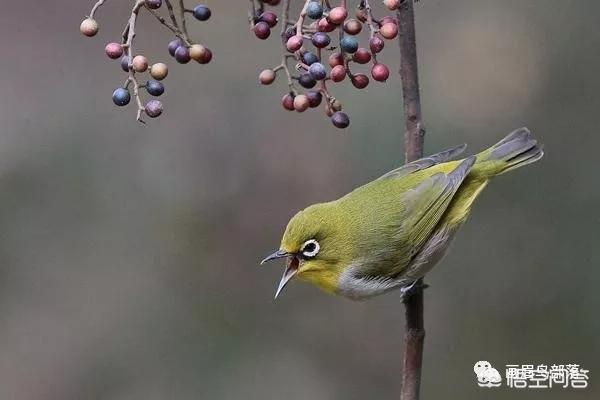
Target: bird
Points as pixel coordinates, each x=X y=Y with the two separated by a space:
x=390 y=232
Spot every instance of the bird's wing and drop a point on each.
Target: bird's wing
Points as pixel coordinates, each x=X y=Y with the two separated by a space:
x=424 y=206
x=425 y=162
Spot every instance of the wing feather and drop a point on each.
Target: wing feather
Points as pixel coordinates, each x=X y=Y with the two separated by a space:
x=424 y=206
x=425 y=162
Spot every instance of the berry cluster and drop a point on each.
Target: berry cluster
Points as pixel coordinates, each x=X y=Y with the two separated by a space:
x=307 y=38
x=181 y=48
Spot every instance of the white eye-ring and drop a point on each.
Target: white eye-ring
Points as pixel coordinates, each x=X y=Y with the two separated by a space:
x=310 y=248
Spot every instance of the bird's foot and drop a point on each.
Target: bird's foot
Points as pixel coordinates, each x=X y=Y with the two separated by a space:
x=412 y=289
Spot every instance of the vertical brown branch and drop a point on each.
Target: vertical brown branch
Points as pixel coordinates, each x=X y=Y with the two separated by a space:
x=414 y=136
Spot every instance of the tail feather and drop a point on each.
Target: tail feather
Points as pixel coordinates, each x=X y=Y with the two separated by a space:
x=517 y=149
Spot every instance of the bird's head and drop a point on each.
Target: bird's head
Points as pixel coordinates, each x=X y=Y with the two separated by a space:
x=313 y=244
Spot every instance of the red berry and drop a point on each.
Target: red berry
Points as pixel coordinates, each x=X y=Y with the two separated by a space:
x=376 y=44
x=269 y=17
x=391 y=4
x=294 y=43
x=325 y=26
x=153 y=4
x=288 y=102
x=352 y=27
x=338 y=73
x=301 y=103
x=114 y=50
x=380 y=72
x=337 y=15
x=205 y=57
x=389 y=30
x=262 y=30
x=388 y=19
x=140 y=63
x=362 y=56
x=267 y=77
x=360 y=81
x=336 y=59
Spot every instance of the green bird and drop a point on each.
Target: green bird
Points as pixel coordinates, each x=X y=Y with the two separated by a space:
x=390 y=232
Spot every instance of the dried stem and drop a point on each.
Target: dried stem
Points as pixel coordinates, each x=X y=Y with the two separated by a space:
x=128 y=46
x=98 y=4
x=176 y=31
x=182 y=19
x=413 y=140
x=171 y=13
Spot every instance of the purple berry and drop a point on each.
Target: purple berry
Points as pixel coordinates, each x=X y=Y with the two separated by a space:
x=262 y=30
x=321 y=40
x=182 y=55
x=269 y=17
x=314 y=98
x=125 y=63
x=340 y=120
x=153 y=4
x=174 y=45
x=153 y=108
x=317 y=71
x=309 y=58
x=307 y=81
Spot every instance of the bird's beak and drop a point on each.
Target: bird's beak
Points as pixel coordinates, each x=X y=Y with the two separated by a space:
x=278 y=254
x=291 y=269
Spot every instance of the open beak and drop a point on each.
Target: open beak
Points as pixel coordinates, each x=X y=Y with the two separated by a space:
x=290 y=270
x=278 y=254
x=291 y=267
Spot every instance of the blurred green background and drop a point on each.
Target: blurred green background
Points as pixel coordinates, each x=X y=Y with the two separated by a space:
x=129 y=254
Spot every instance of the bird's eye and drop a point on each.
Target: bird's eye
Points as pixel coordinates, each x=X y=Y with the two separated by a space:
x=310 y=248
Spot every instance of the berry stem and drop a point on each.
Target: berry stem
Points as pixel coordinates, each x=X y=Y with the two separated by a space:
x=171 y=13
x=98 y=4
x=371 y=24
x=255 y=12
x=176 y=31
x=300 y=22
x=128 y=47
x=182 y=18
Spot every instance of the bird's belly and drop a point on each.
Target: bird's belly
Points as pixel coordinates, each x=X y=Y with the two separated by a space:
x=356 y=287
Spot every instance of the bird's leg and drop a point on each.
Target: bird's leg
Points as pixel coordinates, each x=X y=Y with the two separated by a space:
x=414 y=287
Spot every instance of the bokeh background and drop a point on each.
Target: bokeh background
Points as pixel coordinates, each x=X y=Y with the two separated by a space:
x=129 y=254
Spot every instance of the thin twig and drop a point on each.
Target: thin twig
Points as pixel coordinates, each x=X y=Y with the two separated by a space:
x=176 y=31
x=171 y=13
x=128 y=46
x=182 y=19
x=98 y=4
x=413 y=143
